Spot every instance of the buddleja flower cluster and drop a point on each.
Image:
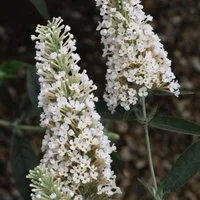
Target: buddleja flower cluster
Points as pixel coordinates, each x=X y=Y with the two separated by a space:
x=136 y=59
x=76 y=152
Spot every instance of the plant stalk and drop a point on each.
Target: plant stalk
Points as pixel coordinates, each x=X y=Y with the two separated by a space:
x=8 y=124
x=146 y=129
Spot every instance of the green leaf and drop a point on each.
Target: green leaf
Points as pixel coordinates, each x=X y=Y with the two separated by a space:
x=27 y=110
x=5 y=97
x=145 y=185
x=41 y=7
x=186 y=166
x=167 y=93
x=9 y=68
x=112 y=136
x=152 y=114
x=175 y=124
x=119 y=115
x=117 y=160
x=33 y=86
x=22 y=160
x=167 y=123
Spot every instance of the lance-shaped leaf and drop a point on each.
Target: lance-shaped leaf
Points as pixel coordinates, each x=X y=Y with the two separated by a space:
x=117 y=160
x=5 y=97
x=175 y=124
x=111 y=136
x=41 y=7
x=9 y=69
x=167 y=93
x=186 y=166
x=119 y=115
x=33 y=86
x=27 y=110
x=167 y=123
x=22 y=160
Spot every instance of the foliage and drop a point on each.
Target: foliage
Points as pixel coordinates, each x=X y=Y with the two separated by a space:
x=9 y=69
x=185 y=167
x=41 y=7
x=22 y=160
x=33 y=87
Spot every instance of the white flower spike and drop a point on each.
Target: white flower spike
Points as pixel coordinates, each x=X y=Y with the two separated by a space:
x=135 y=56
x=76 y=152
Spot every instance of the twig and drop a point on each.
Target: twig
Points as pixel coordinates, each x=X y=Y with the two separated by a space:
x=8 y=124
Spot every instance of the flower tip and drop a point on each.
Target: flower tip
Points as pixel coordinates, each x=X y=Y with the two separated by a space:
x=33 y=37
x=67 y=28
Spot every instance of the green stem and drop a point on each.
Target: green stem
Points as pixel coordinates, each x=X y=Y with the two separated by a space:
x=8 y=124
x=146 y=129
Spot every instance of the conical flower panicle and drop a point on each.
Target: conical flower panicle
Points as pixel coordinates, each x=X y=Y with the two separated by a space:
x=45 y=185
x=136 y=59
x=75 y=149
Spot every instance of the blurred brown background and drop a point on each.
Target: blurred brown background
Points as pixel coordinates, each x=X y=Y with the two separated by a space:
x=176 y=22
